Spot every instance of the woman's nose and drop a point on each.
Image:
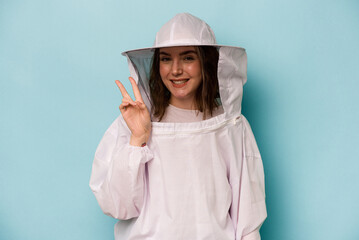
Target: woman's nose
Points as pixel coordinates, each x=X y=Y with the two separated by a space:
x=177 y=68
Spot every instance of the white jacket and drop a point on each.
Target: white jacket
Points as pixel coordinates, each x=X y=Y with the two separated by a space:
x=199 y=180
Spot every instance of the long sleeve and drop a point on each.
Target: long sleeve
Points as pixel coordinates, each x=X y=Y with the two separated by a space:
x=248 y=210
x=118 y=173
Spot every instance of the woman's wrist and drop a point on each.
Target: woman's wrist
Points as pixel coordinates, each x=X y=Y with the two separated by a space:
x=138 y=141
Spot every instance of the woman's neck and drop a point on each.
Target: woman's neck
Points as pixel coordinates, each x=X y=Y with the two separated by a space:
x=189 y=104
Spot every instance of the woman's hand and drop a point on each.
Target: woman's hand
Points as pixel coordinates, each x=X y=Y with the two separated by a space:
x=135 y=114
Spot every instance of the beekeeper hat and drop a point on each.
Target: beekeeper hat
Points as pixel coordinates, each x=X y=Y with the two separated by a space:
x=183 y=29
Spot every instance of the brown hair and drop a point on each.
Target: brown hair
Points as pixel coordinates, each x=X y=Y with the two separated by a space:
x=207 y=95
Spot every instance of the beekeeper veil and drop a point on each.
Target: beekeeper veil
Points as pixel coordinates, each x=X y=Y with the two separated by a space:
x=187 y=30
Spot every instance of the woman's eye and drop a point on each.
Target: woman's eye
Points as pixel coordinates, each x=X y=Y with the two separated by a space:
x=189 y=58
x=164 y=59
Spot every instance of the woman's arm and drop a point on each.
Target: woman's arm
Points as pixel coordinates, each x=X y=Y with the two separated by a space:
x=248 y=210
x=118 y=173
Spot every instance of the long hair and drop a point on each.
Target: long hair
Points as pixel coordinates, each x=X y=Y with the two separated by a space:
x=207 y=94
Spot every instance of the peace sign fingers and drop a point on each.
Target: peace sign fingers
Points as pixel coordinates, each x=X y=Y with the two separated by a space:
x=135 y=114
x=135 y=90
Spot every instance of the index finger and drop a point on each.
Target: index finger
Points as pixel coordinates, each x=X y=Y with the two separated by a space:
x=122 y=89
x=135 y=89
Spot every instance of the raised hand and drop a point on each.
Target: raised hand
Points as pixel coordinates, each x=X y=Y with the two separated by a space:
x=135 y=114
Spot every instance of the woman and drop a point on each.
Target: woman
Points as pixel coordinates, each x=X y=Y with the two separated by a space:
x=195 y=171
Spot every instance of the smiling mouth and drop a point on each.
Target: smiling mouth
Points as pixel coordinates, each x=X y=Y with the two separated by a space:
x=179 y=82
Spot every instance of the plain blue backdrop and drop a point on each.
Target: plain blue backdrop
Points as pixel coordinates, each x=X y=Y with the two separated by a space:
x=58 y=63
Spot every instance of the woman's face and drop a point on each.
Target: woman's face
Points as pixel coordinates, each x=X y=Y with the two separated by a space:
x=180 y=70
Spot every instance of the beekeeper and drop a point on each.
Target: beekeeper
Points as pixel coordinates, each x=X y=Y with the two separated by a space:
x=181 y=161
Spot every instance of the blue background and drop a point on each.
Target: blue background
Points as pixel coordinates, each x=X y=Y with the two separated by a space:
x=58 y=63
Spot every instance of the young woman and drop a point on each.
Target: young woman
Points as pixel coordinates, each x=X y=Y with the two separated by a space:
x=181 y=160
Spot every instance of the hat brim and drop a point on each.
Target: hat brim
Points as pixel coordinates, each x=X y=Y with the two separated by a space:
x=151 y=49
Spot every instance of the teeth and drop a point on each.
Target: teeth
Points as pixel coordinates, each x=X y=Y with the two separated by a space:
x=179 y=82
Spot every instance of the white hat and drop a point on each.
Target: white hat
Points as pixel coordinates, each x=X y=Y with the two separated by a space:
x=183 y=29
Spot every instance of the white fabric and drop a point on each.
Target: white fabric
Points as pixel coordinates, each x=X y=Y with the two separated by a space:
x=178 y=115
x=197 y=180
